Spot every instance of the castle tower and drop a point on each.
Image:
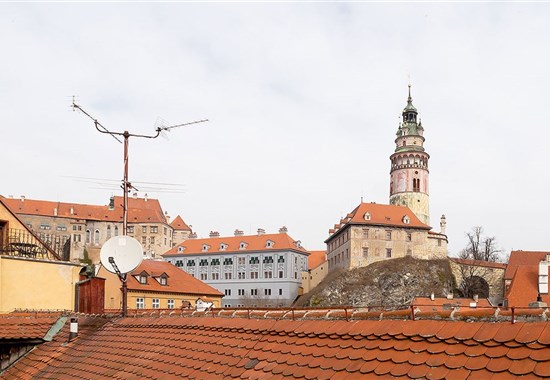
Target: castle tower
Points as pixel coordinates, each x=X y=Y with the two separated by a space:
x=409 y=165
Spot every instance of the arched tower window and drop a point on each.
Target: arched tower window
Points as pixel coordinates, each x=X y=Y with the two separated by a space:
x=96 y=237
x=108 y=232
x=416 y=184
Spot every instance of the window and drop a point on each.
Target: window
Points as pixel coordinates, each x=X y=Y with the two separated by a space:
x=269 y=244
x=45 y=227
x=156 y=303
x=203 y=263
x=253 y=275
x=143 y=240
x=223 y=247
x=365 y=252
x=242 y=275
x=388 y=235
x=61 y=228
x=142 y=279
x=205 y=247
x=215 y=276
x=204 y=276
x=254 y=260
x=241 y=260
x=130 y=229
x=215 y=262
x=190 y=263
x=439 y=243
x=242 y=245
x=180 y=249
x=87 y=236
x=144 y=229
x=96 y=237
x=406 y=219
x=154 y=229
x=152 y=240
x=170 y=304
x=365 y=232
x=165 y=230
x=281 y=259
x=227 y=292
x=253 y=292
x=179 y=263
x=416 y=184
x=268 y=274
x=228 y=261
x=280 y=292
x=108 y=232
x=367 y=216
x=227 y=275
x=140 y=303
x=241 y=292
x=163 y=280
x=268 y=260
x=116 y=231
x=409 y=236
x=388 y=252
x=267 y=292
x=77 y=238
x=281 y=274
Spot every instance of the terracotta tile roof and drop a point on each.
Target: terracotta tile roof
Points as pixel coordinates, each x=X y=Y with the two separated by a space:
x=139 y=210
x=316 y=258
x=178 y=281
x=179 y=225
x=23 y=326
x=518 y=258
x=380 y=215
x=479 y=263
x=218 y=346
x=280 y=241
x=524 y=288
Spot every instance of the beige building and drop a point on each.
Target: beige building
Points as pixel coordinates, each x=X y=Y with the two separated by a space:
x=158 y=285
x=77 y=231
x=374 y=232
x=484 y=278
x=32 y=276
x=317 y=270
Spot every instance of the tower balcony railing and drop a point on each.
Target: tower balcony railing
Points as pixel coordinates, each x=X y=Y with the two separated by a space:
x=22 y=243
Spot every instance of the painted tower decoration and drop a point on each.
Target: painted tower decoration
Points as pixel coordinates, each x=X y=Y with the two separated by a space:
x=409 y=165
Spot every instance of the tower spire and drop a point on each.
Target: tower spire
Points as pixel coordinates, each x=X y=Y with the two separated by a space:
x=409 y=99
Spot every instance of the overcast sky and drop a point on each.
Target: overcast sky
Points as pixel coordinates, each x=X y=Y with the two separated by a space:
x=303 y=99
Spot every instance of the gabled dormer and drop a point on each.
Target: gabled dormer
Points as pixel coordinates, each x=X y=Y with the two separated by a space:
x=142 y=278
x=162 y=279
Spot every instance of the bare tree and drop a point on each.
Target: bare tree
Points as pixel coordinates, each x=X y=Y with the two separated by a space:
x=480 y=247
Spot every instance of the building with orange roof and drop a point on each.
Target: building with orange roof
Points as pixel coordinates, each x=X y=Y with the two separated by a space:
x=373 y=232
x=526 y=278
x=157 y=284
x=79 y=230
x=32 y=275
x=260 y=270
x=317 y=270
x=180 y=230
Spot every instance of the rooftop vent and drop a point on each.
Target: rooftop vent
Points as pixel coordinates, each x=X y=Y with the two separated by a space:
x=238 y=233
x=261 y=231
x=214 y=234
x=283 y=230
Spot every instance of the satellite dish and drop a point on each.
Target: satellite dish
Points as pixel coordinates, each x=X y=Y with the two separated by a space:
x=124 y=251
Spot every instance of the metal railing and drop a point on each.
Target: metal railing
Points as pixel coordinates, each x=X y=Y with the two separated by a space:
x=22 y=243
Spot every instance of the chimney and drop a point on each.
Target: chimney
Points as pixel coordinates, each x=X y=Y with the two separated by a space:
x=238 y=233
x=283 y=230
x=167 y=217
x=55 y=211
x=432 y=296
x=145 y=197
x=476 y=298
x=443 y=224
x=449 y=296
x=22 y=198
x=192 y=235
x=134 y=195
x=72 y=210
x=261 y=231
x=214 y=234
x=112 y=203
x=73 y=331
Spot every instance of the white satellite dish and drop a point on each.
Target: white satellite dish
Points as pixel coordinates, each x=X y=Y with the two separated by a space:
x=124 y=251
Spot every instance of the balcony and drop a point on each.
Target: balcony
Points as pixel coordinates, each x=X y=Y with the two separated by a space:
x=22 y=243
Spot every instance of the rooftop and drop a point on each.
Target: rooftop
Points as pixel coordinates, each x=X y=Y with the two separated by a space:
x=232 y=344
x=316 y=258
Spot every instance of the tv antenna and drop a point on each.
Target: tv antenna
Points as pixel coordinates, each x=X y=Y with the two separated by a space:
x=121 y=255
x=126 y=185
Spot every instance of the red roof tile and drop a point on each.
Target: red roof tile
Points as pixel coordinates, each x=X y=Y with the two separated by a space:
x=216 y=346
x=380 y=215
x=179 y=225
x=278 y=242
x=518 y=258
x=178 y=281
x=316 y=258
x=22 y=326
x=140 y=210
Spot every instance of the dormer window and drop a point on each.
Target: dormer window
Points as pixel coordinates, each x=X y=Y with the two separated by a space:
x=205 y=247
x=269 y=244
x=142 y=278
x=163 y=279
x=406 y=219
x=223 y=247
x=243 y=245
x=298 y=243
x=180 y=249
x=367 y=216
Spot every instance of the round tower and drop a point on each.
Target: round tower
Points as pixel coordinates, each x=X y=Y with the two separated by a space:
x=409 y=165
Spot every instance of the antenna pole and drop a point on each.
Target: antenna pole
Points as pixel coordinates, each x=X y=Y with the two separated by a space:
x=125 y=186
x=122 y=277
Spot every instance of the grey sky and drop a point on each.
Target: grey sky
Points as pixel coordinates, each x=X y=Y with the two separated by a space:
x=304 y=102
